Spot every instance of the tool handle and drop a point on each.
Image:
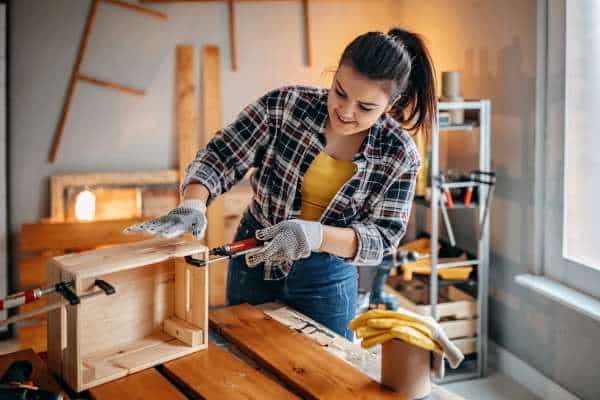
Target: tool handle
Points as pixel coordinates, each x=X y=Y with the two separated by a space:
x=242 y=245
x=17 y=299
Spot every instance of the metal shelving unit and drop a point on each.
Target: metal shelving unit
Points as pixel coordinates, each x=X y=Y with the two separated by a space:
x=482 y=108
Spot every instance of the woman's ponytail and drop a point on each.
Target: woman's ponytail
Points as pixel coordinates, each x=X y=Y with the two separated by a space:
x=399 y=56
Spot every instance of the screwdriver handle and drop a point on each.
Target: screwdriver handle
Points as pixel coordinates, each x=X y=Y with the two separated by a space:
x=241 y=245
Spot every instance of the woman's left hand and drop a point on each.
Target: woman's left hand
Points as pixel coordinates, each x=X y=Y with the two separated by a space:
x=289 y=241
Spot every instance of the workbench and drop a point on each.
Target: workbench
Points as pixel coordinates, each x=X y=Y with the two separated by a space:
x=264 y=352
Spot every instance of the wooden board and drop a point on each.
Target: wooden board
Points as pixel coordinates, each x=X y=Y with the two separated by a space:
x=147 y=384
x=297 y=360
x=76 y=235
x=41 y=376
x=113 y=259
x=186 y=107
x=211 y=122
x=218 y=374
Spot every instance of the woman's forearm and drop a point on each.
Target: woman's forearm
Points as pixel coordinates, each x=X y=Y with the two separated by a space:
x=339 y=241
x=196 y=191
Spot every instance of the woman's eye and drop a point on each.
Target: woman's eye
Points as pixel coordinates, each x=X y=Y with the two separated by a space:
x=339 y=93
x=365 y=109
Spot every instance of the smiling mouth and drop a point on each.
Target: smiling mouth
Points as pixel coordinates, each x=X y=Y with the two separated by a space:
x=343 y=121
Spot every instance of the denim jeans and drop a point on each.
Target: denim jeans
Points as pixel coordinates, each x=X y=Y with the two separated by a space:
x=323 y=286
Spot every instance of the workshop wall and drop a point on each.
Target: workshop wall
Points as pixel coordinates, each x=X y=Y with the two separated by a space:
x=112 y=131
x=494 y=45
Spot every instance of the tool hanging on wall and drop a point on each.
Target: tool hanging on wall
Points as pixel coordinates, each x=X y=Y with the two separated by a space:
x=64 y=288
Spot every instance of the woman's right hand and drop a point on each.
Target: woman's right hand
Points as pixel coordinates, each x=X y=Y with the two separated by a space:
x=189 y=216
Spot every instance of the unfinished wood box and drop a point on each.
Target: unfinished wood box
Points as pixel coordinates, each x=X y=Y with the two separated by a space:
x=456 y=311
x=157 y=313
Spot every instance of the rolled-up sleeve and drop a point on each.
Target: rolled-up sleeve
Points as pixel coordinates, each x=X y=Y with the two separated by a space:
x=386 y=225
x=234 y=149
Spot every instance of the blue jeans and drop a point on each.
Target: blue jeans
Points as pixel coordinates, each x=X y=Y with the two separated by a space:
x=323 y=286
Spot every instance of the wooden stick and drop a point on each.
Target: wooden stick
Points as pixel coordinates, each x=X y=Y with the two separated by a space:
x=71 y=89
x=186 y=108
x=142 y=10
x=211 y=122
x=110 y=85
x=307 y=32
x=232 y=41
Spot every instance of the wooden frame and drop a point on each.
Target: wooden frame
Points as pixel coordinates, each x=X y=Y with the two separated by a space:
x=59 y=183
x=232 y=34
x=158 y=313
x=76 y=74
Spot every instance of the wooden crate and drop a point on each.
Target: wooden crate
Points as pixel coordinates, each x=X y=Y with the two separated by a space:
x=158 y=313
x=456 y=311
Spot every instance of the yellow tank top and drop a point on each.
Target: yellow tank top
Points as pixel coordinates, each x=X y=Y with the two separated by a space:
x=324 y=177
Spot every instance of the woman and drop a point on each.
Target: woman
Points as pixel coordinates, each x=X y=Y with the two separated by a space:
x=334 y=180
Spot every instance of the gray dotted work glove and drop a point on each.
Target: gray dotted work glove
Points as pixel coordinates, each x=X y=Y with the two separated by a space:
x=189 y=216
x=289 y=241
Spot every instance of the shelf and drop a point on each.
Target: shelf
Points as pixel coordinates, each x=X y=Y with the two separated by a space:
x=467 y=126
x=461 y=105
x=457 y=264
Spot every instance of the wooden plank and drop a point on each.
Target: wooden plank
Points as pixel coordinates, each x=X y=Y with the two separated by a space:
x=305 y=8
x=147 y=384
x=136 y=8
x=33 y=337
x=40 y=376
x=297 y=360
x=218 y=374
x=33 y=271
x=94 y=263
x=111 y=85
x=59 y=183
x=232 y=40
x=186 y=107
x=73 y=80
x=75 y=235
x=211 y=122
x=183 y=330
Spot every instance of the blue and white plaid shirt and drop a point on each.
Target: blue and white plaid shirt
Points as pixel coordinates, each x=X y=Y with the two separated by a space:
x=280 y=135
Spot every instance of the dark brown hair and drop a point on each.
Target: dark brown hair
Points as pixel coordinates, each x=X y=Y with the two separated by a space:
x=401 y=61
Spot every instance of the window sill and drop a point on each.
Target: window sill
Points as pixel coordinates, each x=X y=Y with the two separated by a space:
x=566 y=296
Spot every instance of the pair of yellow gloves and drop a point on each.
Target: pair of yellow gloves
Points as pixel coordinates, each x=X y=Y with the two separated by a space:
x=378 y=326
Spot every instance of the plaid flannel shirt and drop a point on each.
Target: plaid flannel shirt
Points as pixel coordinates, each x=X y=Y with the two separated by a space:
x=280 y=135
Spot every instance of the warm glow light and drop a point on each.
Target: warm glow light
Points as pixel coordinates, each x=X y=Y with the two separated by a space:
x=85 y=206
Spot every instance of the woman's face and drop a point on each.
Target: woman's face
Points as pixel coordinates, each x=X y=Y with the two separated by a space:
x=355 y=102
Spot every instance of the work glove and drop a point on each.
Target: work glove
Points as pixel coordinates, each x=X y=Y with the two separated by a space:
x=189 y=216
x=289 y=241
